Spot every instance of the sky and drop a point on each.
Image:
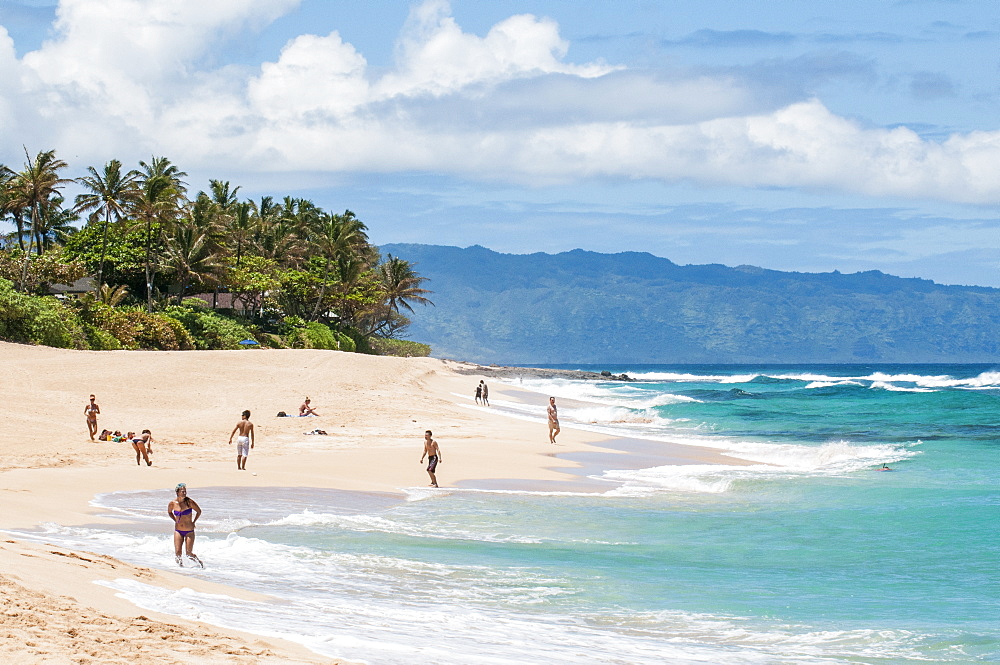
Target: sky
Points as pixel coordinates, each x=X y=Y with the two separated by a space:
x=800 y=136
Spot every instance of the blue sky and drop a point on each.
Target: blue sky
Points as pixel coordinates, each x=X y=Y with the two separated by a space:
x=790 y=135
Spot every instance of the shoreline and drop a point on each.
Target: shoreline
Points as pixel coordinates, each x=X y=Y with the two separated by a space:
x=373 y=408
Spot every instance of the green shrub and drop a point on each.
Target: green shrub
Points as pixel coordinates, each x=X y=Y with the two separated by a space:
x=361 y=343
x=400 y=347
x=207 y=328
x=158 y=331
x=312 y=335
x=113 y=321
x=346 y=343
x=222 y=333
x=38 y=320
x=100 y=340
x=271 y=341
x=292 y=326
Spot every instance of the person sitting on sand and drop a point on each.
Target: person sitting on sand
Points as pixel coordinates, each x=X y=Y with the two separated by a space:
x=143 y=445
x=306 y=410
x=433 y=454
x=105 y=435
x=180 y=511
x=117 y=437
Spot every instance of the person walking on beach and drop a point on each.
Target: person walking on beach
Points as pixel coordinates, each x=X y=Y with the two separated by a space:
x=553 y=420
x=486 y=393
x=143 y=446
x=180 y=511
x=479 y=393
x=433 y=455
x=244 y=442
x=91 y=411
x=306 y=410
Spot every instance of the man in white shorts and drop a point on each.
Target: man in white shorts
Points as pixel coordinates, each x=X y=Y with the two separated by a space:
x=244 y=442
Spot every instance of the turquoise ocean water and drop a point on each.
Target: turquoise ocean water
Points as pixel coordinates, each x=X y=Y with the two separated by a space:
x=809 y=555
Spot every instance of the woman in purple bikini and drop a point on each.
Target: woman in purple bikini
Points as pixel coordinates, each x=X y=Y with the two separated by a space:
x=184 y=512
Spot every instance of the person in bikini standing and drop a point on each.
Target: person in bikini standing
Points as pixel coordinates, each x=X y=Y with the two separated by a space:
x=433 y=455
x=553 y=414
x=245 y=440
x=184 y=512
x=91 y=411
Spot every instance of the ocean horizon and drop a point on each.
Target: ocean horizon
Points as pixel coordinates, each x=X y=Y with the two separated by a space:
x=812 y=553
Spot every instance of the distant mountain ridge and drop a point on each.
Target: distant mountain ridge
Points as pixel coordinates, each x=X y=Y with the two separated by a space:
x=633 y=307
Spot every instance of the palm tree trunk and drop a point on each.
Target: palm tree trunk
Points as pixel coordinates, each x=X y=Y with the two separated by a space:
x=27 y=254
x=19 y=220
x=104 y=249
x=322 y=292
x=149 y=269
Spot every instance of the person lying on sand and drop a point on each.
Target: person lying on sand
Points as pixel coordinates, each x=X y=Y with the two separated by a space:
x=306 y=410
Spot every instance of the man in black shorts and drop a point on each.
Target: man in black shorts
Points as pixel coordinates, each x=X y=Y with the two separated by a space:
x=433 y=455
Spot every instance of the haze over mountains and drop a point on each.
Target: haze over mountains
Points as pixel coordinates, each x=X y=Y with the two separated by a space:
x=634 y=307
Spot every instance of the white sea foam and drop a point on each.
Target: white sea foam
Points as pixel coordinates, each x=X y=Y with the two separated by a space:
x=884 y=385
x=600 y=392
x=398 y=631
x=386 y=524
x=711 y=479
x=774 y=461
x=829 y=384
x=681 y=377
x=562 y=387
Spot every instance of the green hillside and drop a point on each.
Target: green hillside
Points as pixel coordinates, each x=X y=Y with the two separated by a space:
x=583 y=306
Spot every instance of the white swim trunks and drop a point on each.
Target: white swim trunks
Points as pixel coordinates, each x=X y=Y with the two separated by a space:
x=243 y=446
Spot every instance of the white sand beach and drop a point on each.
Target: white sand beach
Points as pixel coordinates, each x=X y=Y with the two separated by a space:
x=374 y=410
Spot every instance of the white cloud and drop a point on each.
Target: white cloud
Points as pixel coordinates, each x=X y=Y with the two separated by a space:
x=126 y=78
x=435 y=56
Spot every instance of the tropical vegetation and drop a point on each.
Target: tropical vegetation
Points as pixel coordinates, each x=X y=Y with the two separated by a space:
x=278 y=272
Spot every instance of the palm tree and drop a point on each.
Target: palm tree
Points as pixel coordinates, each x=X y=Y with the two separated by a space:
x=402 y=284
x=223 y=195
x=112 y=194
x=55 y=225
x=189 y=254
x=10 y=205
x=112 y=296
x=241 y=227
x=161 y=192
x=34 y=189
x=335 y=238
x=276 y=236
